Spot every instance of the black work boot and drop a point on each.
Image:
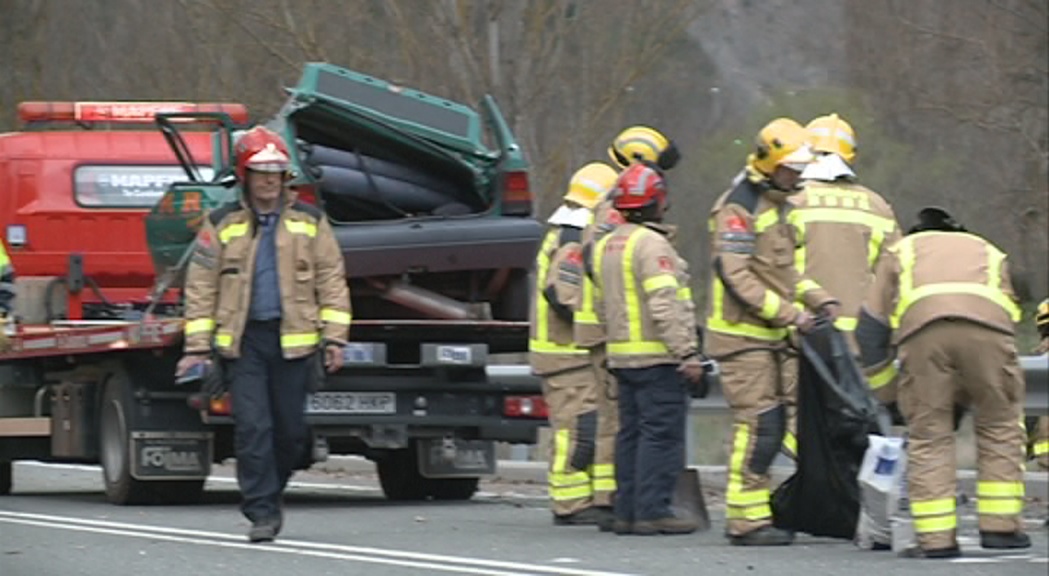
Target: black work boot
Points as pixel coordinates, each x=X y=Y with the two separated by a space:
x=264 y=530
x=1004 y=540
x=939 y=553
x=669 y=525
x=585 y=517
x=764 y=536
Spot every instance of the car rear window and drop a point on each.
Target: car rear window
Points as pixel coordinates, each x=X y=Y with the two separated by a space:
x=126 y=186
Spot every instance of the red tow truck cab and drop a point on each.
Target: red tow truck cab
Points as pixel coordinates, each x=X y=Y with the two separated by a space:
x=75 y=186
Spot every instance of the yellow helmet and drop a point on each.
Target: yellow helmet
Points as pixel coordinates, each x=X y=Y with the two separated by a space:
x=832 y=134
x=646 y=144
x=1041 y=318
x=781 y=142
x=590 y=184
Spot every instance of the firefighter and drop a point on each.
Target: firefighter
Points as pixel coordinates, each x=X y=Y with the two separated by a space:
x=580 y=475
x=652 y=349
x=750 y=308
x=633 y=144
x=7 y=298
x=842 y=226
x=266 y=289
x=943 y=302
x=1039 y=427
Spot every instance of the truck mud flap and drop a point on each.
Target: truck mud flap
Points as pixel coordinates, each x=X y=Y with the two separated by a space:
x=171 y=455
x=455 y=458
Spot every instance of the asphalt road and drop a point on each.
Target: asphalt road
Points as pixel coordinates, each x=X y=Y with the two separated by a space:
x=57 y=523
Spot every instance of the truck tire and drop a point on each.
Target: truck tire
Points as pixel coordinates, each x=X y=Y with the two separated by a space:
x=115 y=453
x=452 y=488
x=399 y=476
x=5 y=478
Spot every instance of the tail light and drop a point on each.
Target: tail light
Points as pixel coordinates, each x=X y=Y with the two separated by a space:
x=306 y=195
x=525 y=407
x=516 y=194
x=221 y=406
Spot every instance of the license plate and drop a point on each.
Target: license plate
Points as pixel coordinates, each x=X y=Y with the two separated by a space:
x=454 y=354
x=351 y=403
x=357 y=353
x=440 y=458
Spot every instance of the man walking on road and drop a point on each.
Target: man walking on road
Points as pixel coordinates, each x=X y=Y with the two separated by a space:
x=942 y=297
x=266 y=289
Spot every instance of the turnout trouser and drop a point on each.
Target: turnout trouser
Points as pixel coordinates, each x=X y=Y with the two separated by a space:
x=571 y=399
x=760 y=386
x=603 y=473
x=650 y=445
x=940 y=364
x=270 y=437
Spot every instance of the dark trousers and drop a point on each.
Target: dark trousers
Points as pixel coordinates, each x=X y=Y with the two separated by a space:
x=650 y=445
x=268 y=396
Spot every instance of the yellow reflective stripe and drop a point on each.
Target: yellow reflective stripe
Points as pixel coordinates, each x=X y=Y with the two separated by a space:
x=1041 y=447
x=806 y=285
x=199 y=325
x=633 y=303
x=232 y=231
x=790 y=443
x=684 y=293
x=300 y=227
x=541 y=306
x=564 y=485
x=735 y=496
x=717 y=323
x=846 y=323
x=765 y=220
x=933 y=507
x=843 y=216
x=1010 y=507
x=335 y=316
x=224 y=339
x=661 y=281
x=548 y=347
x=299 y=340
x=874 y=244
x=642 y=348
x=990 y=291
x=604 y=485
x=882 y=377
x=604 y=470
x=991 y=489
x=758 y=512
x=939 y=524
x=770 y=306
x=571 y=493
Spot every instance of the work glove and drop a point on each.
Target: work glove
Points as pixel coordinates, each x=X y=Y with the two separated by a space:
x=804 y=321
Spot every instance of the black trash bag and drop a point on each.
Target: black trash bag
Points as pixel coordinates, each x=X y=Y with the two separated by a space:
x=836 y=412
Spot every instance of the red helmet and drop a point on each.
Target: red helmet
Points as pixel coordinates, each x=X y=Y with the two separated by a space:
x=639 y=186
x=262 y=150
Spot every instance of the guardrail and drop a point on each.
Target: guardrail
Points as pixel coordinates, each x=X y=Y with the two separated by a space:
x=1036 y=374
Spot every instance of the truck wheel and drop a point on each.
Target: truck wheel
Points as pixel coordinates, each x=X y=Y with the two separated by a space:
x=399 y=476
x=5 y=478
x=452 y=488
x=115 y=447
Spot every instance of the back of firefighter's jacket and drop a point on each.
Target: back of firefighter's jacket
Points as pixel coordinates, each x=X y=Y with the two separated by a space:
x=754 y=284
x=558 y=279
x=932 y=276
x=843 y=229
x=646 y=300
x=589 y=330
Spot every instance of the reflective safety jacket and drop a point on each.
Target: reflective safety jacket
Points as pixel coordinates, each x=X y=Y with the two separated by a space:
x=931 y=276
x=646 y=302
x=558 y=277
x=754 y=282
x=589 y=331
x=7 y=282
x=314 y=297
x=843 y=229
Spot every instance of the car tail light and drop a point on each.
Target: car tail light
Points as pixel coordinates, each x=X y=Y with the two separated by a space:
x=525 y=407
x=517 y=196
x=221 y=406
x=306 y=195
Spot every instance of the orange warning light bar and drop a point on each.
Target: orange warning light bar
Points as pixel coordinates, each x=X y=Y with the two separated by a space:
x=121 y=112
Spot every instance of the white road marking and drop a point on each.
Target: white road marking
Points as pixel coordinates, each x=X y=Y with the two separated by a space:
x=462 y=564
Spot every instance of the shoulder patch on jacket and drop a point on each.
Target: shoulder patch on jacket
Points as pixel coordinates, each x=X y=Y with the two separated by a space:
x=746 y=195
x=308 y=209
x=216 y=215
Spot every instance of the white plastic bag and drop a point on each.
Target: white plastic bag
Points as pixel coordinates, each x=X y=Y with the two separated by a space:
x=885 y=520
